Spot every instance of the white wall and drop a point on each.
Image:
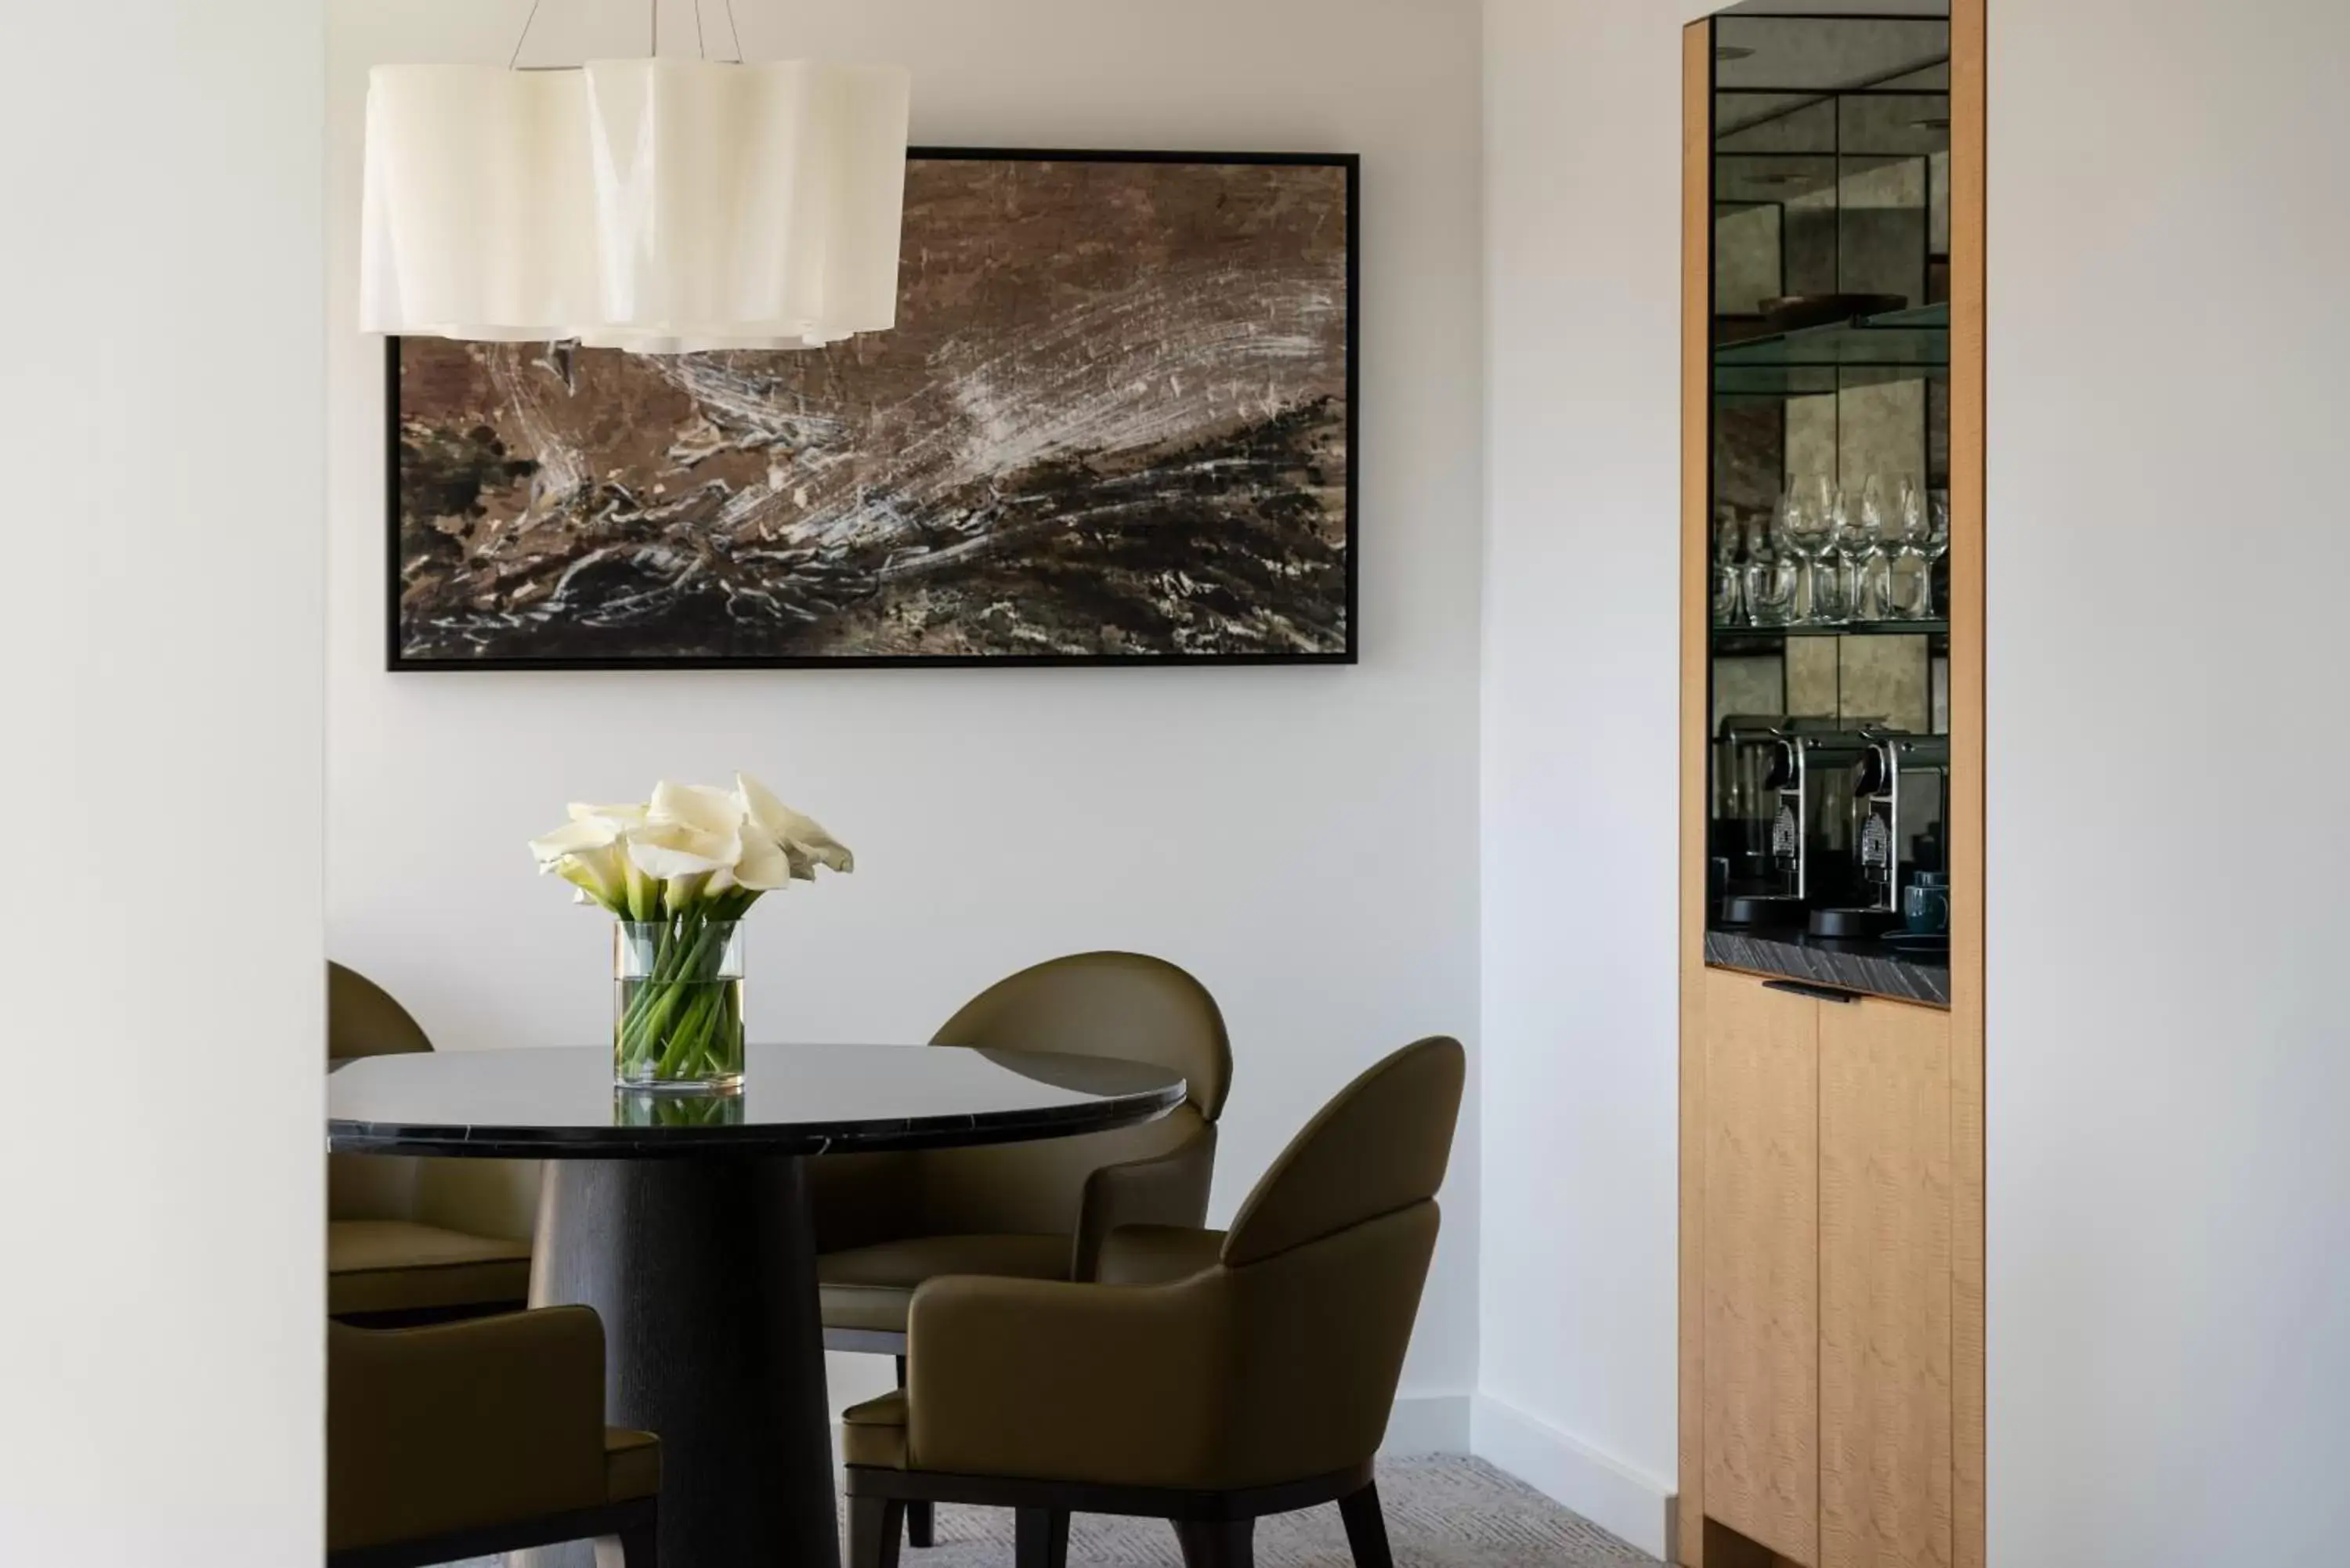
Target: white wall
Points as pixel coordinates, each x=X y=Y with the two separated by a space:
x=1577 y=1272
x=1304 y=840
x=2168 y=1055
x=159 y=392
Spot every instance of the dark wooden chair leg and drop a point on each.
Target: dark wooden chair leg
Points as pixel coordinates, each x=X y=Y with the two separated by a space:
x=873 y=1526
x=1366 y=1528
x=921 y=1520
x=1041 y=1538
x=1223 y=1543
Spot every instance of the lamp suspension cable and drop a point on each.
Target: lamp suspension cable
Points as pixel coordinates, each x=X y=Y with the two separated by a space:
x=526 y=21
x=652 y=31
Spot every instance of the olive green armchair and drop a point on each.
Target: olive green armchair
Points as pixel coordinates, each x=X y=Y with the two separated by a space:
x=412 y=1240
x=885 y=1223
x=460 y=1440
x=1204 y=1377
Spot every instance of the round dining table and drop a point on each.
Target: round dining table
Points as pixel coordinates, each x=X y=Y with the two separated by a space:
x=683 y=1220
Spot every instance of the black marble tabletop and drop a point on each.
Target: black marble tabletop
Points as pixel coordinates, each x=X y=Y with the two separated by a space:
x=559 y=1103
x=1874 y=968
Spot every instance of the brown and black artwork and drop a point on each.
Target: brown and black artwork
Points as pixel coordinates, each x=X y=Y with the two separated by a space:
x=1114 y=423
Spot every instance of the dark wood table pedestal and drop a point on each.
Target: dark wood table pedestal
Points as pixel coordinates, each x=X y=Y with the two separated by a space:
x=704 y=1270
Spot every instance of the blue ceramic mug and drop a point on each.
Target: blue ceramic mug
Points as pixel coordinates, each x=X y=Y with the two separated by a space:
x=1926 y=904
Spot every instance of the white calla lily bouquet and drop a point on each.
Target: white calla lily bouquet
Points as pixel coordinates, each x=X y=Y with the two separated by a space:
x=678 y=873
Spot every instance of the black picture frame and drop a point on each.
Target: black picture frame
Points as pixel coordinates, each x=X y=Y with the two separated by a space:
x=395 y=661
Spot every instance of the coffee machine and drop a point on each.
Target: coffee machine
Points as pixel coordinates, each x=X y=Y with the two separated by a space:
x=1902 y=787
x=1783 y=817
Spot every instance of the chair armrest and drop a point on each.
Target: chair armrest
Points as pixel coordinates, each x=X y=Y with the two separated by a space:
x=462 y=1425
x=1168 y=1189
x=1116 y=1384
x=1157 y=1254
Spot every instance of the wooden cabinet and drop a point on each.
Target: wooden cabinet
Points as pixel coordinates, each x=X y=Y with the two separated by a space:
x=1884 y=1286
x=1762 y=1263
x=1827 y=1221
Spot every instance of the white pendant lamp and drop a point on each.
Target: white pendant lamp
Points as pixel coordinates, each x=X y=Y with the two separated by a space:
x=658 y=205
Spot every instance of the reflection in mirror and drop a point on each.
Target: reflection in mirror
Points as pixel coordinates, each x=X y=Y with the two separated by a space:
x=1829 y=54
x=1830 y=286
x=1901 y=682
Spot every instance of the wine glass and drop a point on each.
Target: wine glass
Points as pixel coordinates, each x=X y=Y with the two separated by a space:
x=1936 y=545
x=1803 y=527
x=1770 y=573
x=1853 y=547
x=1727 y=593
x=1813 y=514
x=1909 y=573
x=1867 y=551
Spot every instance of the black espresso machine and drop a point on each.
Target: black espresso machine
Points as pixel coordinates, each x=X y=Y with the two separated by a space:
x=1818 y=823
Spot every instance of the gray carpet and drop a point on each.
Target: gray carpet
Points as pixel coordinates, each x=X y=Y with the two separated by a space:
x=1442 y=1513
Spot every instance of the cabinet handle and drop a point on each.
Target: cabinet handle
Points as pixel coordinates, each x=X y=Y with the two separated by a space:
x=1817 y=992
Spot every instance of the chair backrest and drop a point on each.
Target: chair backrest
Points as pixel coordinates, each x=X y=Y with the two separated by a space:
x=365 y=1020
x=479 y=1197
x=1381 y=1145
x=1126 y=1005
x=1323 y=1269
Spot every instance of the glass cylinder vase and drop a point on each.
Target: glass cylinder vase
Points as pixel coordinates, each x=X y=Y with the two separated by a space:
x=677 y=1005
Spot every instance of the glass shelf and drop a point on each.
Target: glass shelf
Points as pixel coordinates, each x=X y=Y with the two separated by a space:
x=1749 y=639
x=1893 y=346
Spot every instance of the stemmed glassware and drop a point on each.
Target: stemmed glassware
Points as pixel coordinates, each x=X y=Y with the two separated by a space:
x=1728 y=592
x=1862 y=546
x=1936 y=545
x=1829 y=555
x=1771 y=571
x=1908 y=570
x=1811 y=528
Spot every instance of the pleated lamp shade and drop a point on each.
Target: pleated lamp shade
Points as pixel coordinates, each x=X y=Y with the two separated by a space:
x=657 y=205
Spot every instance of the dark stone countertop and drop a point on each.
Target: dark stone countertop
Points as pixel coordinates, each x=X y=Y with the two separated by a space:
x=1868 y=967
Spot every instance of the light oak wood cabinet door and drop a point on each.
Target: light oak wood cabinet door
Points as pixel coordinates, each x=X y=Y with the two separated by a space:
x=1762 y=1263
x=1885 y=1216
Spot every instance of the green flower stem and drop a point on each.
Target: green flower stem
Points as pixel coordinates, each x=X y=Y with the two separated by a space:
x=647 y=988
x=682 y=1019
x=672 y=959
x=679 y=1045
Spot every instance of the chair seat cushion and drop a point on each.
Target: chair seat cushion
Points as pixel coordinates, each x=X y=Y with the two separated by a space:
x=631 y=1464
x=397 y=1265
x=874 y=1433
x=871 y=1287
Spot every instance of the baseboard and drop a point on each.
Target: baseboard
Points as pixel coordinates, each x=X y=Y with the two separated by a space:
x=1428 y=1423
x=1611 y=1495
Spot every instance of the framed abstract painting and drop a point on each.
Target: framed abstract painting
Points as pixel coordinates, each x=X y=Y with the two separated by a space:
x=1113 y=424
